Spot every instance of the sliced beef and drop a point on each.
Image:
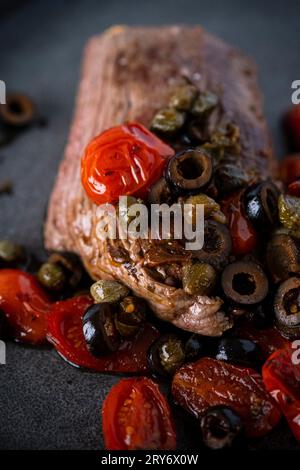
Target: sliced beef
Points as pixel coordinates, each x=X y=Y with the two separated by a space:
x=128 y=74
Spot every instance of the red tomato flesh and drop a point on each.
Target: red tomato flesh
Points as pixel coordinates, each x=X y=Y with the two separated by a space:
x=282 y=379
x=135 y=415
x=123 y=161
x=243 y=235
x=25 y=305
x=292 y=122
x=65 y=333
x=209 y=382
x=290 y=168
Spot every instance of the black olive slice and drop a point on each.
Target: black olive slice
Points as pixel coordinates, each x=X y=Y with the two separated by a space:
x=287 y=307
x=239 y=351
x=217 y=245
x=261 y=205
x=282 y=257
x=18 y=111
x=220 y=427
x=229 y=177
x=244 y=282
x=99 y=329
x=160 y=193
x=190 y=170
x=166 y=355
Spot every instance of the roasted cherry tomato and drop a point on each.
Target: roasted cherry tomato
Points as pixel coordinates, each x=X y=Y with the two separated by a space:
x=135 y=415
x=25 y=305
x=290 y=168
x=292 y=124
x=243 y=235
x=268 y=339
x=66 y=334
x=209 y=382
x=294 y=188
x=123 y=161
x=281 y=375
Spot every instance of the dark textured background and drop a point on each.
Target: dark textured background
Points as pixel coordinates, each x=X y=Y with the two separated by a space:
x=44 y=402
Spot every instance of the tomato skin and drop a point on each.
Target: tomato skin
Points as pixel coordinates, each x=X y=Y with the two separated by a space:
x=123 y=161
x=25 y=305
x=244 y=237
x=292 y=123
x=135 y=415
x=290 y=168
x=294 y=188
x=209 y=382
x=282 y=379
x=64 y=322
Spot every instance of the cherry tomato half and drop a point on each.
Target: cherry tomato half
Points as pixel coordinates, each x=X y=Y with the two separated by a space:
x=243 y=235
x=294 y=188
x=123 y=161
x=135 y=415
x=25 y=305
x=65 y=333
x=292 y=124
x=290 y=168
x=209 y=382
x=282 y=379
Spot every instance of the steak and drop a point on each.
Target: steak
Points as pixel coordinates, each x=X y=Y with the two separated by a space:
x=129 y=74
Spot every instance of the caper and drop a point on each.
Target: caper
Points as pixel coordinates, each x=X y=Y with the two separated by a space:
x=198 y=278
x=108 y=291
x=71 y=265
x=10 y=252
x=184 y=97
x=131 y=316
x=289 y=213
x=166 y=355
x=211 y=208
x=168 y=121
x=204 y=104
x=52 y=276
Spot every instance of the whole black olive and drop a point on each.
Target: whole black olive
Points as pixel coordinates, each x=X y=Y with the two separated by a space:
x=220 y=427
x=229 y=177
x=244 y=282
x=287 y=308
x=217 y=245
x=19 y=110
x=195 y=347
x=166 y=355
x=239 y=351
x=282 y=257
x=261 y=205
x=189 y=171
x=99 y=329
x=160 y=193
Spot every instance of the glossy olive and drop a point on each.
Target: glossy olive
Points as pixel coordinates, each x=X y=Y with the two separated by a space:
x=108 y=291
x=244 y=282
x=198 y=278
x=160 y=193
x=195 y=347
x=217 y=245
x=239 y=351
x=71 y=264
x=99 y=329
x=168 y=121
x=287 y=307
x=10 y=252
x=19 y=110
x=166 y=355
x=220 y=427
x=282 y=257
x=184 y=97
x=261 y=205
x=52 y=276
x=229 y=177
x=189 y=171
x=204 y=104
x=131 y=316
